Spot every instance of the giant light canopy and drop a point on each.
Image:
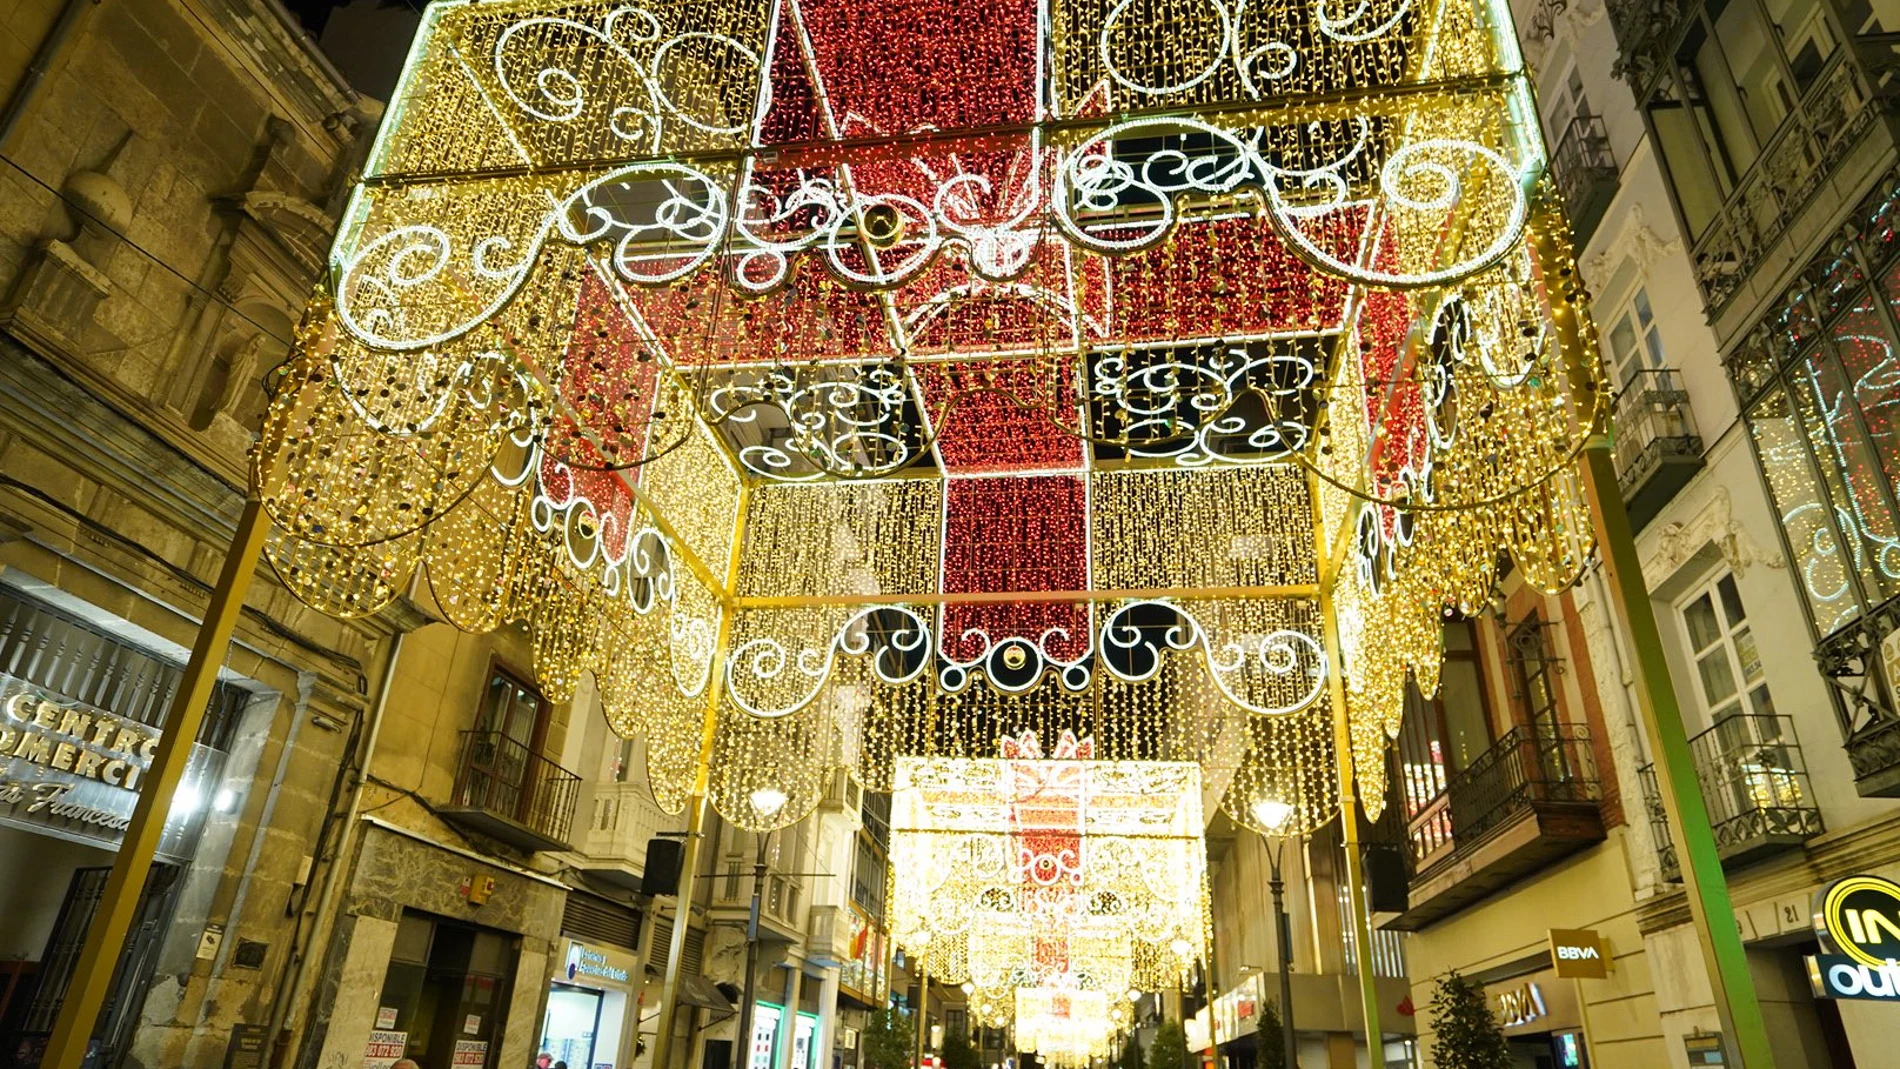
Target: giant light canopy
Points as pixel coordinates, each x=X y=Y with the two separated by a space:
x=840 y=380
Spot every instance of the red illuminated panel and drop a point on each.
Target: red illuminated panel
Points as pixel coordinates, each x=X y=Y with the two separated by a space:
x=1016 y=534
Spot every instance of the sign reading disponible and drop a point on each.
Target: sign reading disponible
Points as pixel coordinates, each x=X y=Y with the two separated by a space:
x=1858 y=920
x=69 y=766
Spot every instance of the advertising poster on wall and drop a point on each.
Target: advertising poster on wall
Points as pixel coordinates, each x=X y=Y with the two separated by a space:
x=766 y=1019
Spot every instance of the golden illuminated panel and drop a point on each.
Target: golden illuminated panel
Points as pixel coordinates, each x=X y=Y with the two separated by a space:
x=1059 y=872
x=836 y=406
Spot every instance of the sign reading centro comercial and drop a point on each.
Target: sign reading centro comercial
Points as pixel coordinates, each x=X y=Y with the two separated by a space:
x=1858 y=921
x=68 y=769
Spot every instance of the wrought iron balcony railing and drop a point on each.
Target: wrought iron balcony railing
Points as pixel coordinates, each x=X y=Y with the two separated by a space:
x=1525 y=802
x=1792 y=167
x=1548 y=763
x=1657 y=447
x=1585 y=170
x=1544 y=763
x=1755 y=785
x=506 y=791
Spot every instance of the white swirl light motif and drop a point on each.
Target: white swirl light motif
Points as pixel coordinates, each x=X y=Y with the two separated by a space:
x=1090 y=179
x=1283 y=653
x=1345 y=29
x=1414 y=178
x=993 y=663
x=835 y=423
x=376 y=283
x=558 y=94
x=665 y=219
x=761 y=662
x=1223 y=48
x=1149 y=399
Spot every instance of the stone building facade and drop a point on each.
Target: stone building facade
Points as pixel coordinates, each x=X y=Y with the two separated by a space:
x=167 y=176
x=1729 y=172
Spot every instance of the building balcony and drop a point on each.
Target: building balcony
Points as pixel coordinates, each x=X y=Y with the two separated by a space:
x=1755 y=784
x=1854 y=659
x=1771 y=199
x=1644 y=30
x=1585 y=170
x=613 y=844
x=1524 y=803
x=506 y=791
x=1657 y=448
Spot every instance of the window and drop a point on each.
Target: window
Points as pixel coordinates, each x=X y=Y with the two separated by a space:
x=1532 y=664
x=504 y=749
x=623 y=762
x=1570 y=104
x=1440 y=738
x=1635 y=340
x=1727 y=663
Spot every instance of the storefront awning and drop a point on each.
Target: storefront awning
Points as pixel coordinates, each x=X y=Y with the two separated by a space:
x=698 y=991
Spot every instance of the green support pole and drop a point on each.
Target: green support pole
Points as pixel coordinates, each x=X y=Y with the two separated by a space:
x=1704 y=883
x=1689 y=830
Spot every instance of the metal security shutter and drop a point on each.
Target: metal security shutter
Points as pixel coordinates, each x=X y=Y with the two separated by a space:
x=599 y=920
x=690 y=958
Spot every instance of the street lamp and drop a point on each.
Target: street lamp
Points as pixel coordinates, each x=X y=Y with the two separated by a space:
x=1272 y=815
x=766 y=803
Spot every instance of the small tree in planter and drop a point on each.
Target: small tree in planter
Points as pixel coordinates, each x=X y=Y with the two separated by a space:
x=1169 y=1050
x=886 y=1041
x=1465 y=1031
x=1269 y=1038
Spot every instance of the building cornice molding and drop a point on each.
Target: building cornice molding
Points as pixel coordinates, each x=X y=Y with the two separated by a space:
x=1874 y=845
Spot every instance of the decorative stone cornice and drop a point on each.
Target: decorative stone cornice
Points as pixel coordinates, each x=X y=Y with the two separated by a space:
x=1874 y=845
x=1715 y=525
x=1634 y=239
x=1560 y=20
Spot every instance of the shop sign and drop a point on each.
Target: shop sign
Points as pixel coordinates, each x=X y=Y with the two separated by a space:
x=1858 y=920
x=249 y=1045
x=1578 y=954
x=69 y=767
x=1520 y=1005
x=586 y=962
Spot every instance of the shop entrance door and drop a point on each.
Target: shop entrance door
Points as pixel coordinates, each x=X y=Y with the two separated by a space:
x=27 y=1032
x=572 y=1024
x=446 y=990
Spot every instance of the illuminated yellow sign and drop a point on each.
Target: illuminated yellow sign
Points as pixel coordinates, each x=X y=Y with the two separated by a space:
x=1860 y=917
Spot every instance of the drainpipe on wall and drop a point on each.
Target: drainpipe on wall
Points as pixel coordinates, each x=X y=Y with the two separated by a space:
x=56 y=40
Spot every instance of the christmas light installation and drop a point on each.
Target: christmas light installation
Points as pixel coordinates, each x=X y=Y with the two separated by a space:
x=1050 y=884
x=829 y=404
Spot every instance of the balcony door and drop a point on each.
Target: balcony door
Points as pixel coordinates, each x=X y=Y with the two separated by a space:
x=511 y=725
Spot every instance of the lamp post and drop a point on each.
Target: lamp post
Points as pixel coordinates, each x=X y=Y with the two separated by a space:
x=1272 y=814
x=766 y=802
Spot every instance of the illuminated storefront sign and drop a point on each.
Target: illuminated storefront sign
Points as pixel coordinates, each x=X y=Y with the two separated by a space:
x=765 y=1025
x=1858 y=921
x=1579 y=954
x=586 y=963
x=74 y=771
x=1520 y=1005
